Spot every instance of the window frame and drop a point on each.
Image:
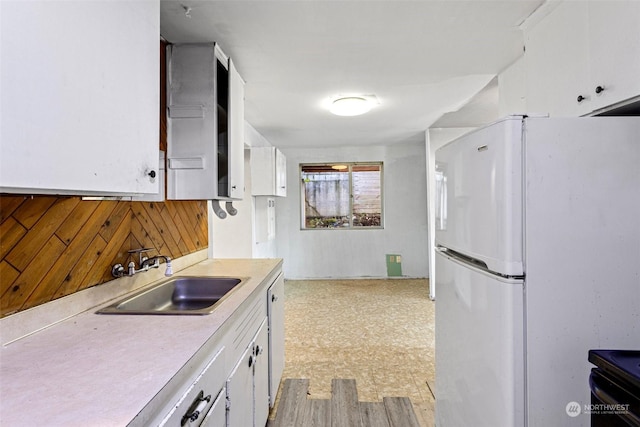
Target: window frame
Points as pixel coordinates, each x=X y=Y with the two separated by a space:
x=350 y=166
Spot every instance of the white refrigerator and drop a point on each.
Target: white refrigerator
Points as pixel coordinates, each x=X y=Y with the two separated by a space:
x=538 y=261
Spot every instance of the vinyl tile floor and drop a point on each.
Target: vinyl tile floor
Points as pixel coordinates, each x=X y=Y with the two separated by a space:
x=379 y=332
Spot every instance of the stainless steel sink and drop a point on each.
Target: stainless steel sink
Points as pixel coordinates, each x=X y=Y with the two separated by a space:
x=177 y=295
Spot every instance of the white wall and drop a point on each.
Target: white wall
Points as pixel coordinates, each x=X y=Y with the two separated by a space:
x=512 y=89
x=234 y=236
x=358 y=253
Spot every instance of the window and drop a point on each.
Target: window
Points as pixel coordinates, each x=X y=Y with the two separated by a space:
x=341 y=195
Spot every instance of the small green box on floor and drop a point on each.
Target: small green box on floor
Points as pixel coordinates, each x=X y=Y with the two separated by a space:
x=394 y=265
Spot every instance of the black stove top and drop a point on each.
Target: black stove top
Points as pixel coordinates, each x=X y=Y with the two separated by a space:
x=623 y=364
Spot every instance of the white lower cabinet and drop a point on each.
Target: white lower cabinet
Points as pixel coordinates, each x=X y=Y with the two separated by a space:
x=261 y=376
x=275 y=310
x=217 y=415
x=248 y=385
x=237 y=386
x=240 y=392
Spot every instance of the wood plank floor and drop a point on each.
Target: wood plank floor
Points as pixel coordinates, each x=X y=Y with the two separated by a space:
x=342 y=410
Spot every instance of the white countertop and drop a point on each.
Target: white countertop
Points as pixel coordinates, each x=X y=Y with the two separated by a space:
x=101 y=370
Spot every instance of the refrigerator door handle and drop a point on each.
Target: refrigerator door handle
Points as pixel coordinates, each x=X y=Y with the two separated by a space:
x=441 y=249
x=471 y=262
x=441 y=198
x=462 y=258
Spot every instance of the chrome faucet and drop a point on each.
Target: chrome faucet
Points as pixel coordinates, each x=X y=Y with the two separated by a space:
x=145 y=264
x=154 y=262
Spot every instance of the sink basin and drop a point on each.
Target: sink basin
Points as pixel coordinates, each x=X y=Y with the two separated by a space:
x=178 y=295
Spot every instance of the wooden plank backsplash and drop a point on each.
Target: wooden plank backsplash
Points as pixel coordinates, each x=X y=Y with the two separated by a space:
x=54 y=246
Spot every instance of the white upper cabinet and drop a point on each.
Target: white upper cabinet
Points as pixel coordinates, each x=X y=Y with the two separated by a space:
x=556 y=61
x=205 y=148
x=80 y=97
x=268 y=172
x=582 y=57
x=236 y=133
x=614 y=50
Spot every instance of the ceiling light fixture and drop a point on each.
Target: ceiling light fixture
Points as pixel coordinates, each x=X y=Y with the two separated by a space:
x=351 y=105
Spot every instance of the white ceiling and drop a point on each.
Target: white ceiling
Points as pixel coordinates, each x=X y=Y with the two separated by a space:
x=423 y=59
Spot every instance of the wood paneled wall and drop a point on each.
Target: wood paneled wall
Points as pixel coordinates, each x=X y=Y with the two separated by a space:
x=54 y=246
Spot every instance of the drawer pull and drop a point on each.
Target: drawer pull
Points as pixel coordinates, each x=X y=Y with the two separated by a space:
x=196 y=408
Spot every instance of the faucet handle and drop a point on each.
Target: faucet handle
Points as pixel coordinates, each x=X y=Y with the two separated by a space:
x=169 y=271
x=117 y=270
x=132 y=268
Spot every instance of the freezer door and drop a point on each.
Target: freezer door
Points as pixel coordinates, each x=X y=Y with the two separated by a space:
x=479 y=347
x=479 y=200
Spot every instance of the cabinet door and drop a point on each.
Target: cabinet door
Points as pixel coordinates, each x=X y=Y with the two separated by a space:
x=275 y=306
x=79 y=113
x=265 y=218
x=261 y=375
x=262 y=171
x=216 y=417
x=206 y=126
x=271 y=219
x=280 y=174
x=192 y=151
x=556 y=62
x=614 y=53
x=236 y=134
x=268 y=172
x=240 y=391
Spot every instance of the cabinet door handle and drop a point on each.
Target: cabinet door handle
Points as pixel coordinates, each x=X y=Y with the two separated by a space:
x=152 y=174
x=196 y=408
x=251 y=361
x=599 y=89
x=274 y=298
x=580 y=98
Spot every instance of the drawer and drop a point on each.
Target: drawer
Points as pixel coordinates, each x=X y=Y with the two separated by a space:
x=200 y=396
x=244 y=329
